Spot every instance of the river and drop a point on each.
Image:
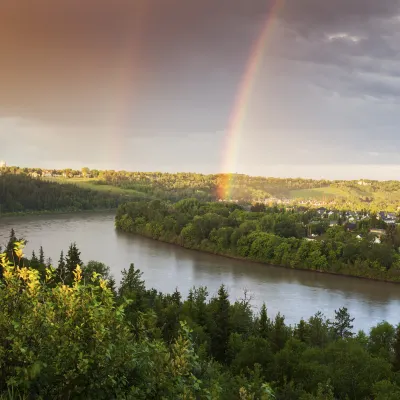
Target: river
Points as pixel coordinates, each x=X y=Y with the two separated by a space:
x=295 y=294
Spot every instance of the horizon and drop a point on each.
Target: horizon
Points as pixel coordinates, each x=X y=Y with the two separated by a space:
x=79 y=168
x=275 y=88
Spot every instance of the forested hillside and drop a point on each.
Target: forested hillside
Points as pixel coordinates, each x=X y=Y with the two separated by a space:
x=21 y=193
x=349 y=195
x=272 y=236
x=66 y=332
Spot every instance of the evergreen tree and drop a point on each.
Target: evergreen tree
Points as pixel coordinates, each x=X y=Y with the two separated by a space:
x=264 y=323
x=342 y=325
x=12 y=239
x=41 y=256
x=177 y=297
x=222 y=330
x=61 y=270
x=301 y=331
x=10 y=245
x=34 y=261
x=71 y=262
x=279 y=333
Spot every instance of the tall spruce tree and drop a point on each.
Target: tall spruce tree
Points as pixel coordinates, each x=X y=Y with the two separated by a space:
x=264 y=323
x=34 y=261
x=222 y=329
x=61 y=270
x=71 y=262
x=10 y=245
x=41 y=256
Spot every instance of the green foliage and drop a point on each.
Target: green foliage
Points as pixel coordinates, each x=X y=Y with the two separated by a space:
x=271 y=235
x=342 y=324
x=23 y=194
x=80 y=339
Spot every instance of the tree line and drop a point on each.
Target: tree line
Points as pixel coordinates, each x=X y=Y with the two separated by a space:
x=342 y=194
x=67 y=332
x=274 y=236
x=21 y=193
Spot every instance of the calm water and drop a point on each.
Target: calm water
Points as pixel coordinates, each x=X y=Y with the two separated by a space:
x=295 y=294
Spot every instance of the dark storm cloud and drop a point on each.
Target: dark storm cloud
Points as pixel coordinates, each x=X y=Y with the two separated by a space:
x=139 y=69
x=73 y=59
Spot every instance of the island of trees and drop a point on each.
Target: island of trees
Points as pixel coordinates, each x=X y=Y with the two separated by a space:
x=68 y=333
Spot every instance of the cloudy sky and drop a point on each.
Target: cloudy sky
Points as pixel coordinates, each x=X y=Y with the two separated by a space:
x=151 y=85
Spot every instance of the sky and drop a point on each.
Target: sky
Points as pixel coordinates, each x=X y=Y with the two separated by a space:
x=154 y=85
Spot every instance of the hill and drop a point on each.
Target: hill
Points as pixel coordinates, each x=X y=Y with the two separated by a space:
x=21 y=193
x=364 y=194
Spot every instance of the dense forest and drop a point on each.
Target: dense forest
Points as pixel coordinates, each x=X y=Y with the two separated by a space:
x=68 y=333
x=21 y=193
x=272 y=235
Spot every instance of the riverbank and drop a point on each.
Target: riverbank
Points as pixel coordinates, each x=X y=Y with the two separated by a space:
x=53 y=212
x=378 y=275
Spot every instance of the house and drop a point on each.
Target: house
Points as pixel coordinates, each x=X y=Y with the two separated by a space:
x=359 y=237
x=377 y=240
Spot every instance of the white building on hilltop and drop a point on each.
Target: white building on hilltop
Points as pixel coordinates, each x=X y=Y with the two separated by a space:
x=3 y=164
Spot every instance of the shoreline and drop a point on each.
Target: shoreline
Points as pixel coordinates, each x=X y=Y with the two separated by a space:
x=238 y=258
x=52 y=212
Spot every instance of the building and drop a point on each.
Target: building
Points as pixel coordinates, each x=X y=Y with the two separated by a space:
x=3 y=164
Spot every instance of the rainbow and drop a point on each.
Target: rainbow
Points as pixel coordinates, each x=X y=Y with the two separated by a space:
x=239 y=111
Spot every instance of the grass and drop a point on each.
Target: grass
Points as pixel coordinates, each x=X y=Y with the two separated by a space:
x=90 y=183
x=328 y=192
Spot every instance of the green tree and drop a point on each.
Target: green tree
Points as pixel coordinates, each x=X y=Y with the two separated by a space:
x=221 y=326
x=264 y=323
x=41 y=256
x=61 y=270
x=342 y=324
x=381 y=340
x=71 y=261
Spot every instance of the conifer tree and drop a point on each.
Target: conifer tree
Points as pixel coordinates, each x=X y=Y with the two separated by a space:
x=221 y=332
x=12 y=239
x=71 y=261
x=342 y=325
x=34 y=261
x=41 y=256
x=61 y=271
x=264 y=323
